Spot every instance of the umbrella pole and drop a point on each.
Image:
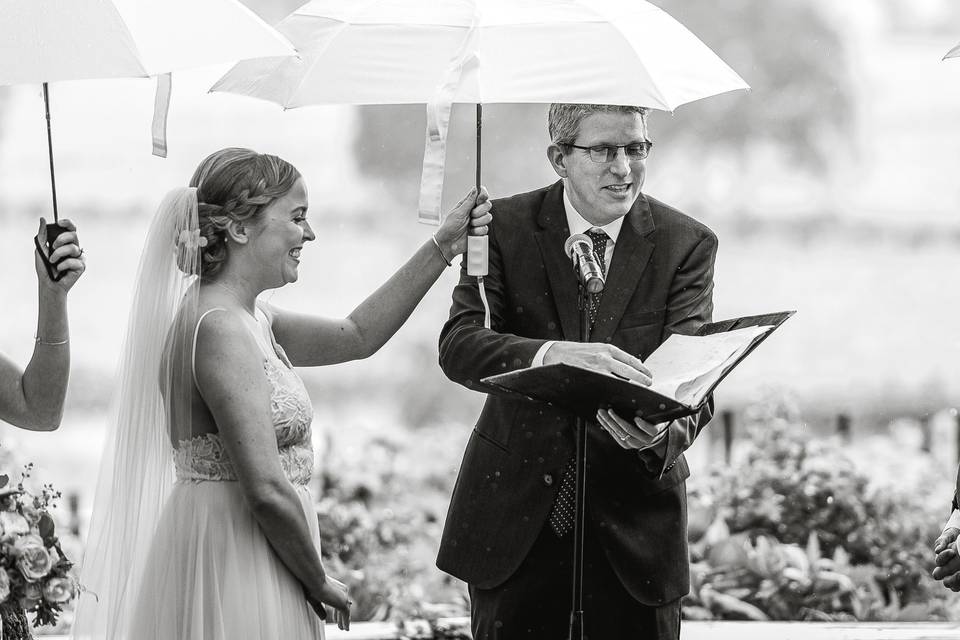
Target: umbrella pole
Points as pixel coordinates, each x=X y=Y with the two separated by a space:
x=53 y=179
x=479 y=131
x=477 y=257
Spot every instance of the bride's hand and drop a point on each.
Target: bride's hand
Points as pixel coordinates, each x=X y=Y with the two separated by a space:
x=335 y=594
x=472 y=211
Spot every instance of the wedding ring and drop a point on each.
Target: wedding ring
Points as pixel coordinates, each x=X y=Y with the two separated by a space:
x=625 y=437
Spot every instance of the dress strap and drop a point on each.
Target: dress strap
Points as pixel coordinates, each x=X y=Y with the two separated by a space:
x=267 y=332
x=193 y=349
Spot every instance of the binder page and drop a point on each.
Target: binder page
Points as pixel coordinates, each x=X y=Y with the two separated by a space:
x=687 y=359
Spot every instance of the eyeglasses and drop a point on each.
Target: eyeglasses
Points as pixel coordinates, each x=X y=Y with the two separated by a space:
x=607 y=152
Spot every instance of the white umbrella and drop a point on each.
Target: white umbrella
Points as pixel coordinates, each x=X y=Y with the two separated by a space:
x=398 y=51
x=273 y=11
x=953 y=53
x=45 y=41
x=476 y=51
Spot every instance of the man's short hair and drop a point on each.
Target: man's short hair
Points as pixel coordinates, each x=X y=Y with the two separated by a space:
x=564 y=119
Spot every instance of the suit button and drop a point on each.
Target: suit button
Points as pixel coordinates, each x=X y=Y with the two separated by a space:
x=547 y=479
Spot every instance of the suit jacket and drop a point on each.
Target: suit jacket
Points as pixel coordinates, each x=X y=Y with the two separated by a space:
x=660 y=281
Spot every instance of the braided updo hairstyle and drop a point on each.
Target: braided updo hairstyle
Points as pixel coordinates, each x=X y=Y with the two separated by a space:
x=235 y=184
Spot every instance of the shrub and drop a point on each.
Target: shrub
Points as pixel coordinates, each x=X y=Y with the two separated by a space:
x=798 y=533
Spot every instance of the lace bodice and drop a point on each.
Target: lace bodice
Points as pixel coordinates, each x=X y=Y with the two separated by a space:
x=204 y=457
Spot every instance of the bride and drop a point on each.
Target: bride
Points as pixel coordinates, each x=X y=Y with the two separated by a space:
x=203 y=526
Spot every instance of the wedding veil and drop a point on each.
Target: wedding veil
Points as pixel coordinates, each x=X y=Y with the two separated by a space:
x=136 y=472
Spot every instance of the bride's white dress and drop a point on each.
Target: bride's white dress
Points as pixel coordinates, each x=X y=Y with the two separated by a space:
x=211 y=574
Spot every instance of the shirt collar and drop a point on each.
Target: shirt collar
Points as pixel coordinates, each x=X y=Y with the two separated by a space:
x=577 y=224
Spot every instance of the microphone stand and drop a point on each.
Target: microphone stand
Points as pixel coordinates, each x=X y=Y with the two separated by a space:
x=579 y=511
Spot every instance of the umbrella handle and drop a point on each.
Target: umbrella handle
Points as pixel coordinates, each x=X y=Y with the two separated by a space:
x=44 y=248
x=477 y=246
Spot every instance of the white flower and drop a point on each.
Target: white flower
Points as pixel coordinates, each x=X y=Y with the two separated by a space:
x=32 y=558
x=31 y=513
x=12 y=524
x=191 y=240
x=58 y=590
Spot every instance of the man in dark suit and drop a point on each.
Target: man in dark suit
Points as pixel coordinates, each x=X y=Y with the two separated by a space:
x=508 y=529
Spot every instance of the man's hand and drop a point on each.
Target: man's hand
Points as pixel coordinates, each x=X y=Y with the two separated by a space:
x=948 y=562
x=599 y=357
x=639 y=434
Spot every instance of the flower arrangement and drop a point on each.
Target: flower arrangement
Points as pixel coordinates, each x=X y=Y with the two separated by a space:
x=34 y=571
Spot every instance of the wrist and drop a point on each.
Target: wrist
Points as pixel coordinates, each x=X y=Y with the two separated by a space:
x=316 y=591
x=445 y=254
x=52 y=341
x=50 y=292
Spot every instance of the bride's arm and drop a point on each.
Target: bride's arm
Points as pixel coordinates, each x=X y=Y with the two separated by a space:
x=231 y=380
x=311 y=341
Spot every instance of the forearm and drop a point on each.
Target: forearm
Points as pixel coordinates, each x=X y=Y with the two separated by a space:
x=468 y=350
x=470 y=353
x=382 y=314
x=44 y=380
x=278 y=511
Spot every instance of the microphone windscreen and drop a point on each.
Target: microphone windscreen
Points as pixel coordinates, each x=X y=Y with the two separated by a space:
x=575 y=239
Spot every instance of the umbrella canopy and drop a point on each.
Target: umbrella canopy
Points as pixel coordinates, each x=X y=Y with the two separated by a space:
x=400 y=51
x=44 y=41
x=273 y=11
x=953 y=53
x=52 y=40
x=407 y=51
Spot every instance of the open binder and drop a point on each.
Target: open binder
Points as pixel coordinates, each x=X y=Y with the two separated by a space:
x=691 y=367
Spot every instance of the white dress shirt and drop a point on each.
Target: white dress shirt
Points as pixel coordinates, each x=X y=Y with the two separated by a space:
x=577 y=224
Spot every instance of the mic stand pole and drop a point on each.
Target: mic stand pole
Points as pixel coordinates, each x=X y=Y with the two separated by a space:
x=579 y=512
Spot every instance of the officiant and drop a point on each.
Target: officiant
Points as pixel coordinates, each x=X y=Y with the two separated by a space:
x=508 y=531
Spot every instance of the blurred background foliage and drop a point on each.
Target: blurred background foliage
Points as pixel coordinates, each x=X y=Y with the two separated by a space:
x=793 y=529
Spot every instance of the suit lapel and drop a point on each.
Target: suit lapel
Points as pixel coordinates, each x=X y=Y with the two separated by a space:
x=563 y=280
x=630 y=257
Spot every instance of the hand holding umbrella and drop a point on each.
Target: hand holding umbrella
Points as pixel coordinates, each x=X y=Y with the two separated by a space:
x=45 y=41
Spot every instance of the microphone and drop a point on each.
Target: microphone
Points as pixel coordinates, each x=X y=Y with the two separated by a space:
x=579 y=248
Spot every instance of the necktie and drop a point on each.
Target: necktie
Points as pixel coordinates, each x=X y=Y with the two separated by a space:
x=562 y=514
x=599 y=239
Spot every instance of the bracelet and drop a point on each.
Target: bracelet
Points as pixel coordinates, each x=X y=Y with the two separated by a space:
x=40 y=340
x=442 y=255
